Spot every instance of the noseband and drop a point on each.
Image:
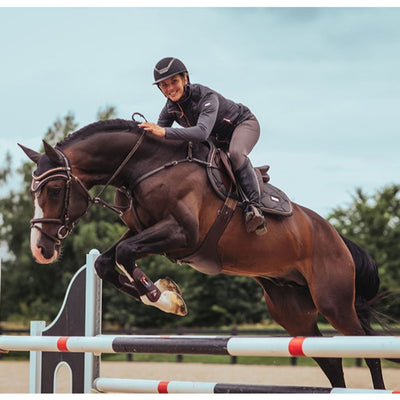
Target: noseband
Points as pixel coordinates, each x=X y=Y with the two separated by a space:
x=64 y=173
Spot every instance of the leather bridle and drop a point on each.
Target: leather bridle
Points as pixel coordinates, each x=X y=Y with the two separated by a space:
x=65 y=172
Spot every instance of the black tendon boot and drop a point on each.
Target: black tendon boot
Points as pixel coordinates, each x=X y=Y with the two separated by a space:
x=248 y=181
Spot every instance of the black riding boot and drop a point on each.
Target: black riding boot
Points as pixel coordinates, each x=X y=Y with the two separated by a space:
x=248 y=181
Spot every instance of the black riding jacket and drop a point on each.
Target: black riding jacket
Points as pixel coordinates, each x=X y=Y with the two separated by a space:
x=202 y=112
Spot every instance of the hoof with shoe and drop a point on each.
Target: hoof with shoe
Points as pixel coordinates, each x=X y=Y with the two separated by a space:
x=168 y=284
x=169 y=302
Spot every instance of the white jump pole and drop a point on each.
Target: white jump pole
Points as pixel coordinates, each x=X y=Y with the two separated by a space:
x=116 y=385
x=336 y=346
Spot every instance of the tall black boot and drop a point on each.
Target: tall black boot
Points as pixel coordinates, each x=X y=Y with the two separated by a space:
x=248 y=181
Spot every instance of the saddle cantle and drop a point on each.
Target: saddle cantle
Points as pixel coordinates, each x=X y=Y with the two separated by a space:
x=273 y=200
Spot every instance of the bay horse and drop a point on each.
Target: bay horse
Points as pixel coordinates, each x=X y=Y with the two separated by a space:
x=164 y=196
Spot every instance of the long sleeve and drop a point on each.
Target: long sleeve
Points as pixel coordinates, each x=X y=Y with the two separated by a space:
x=165 y=119
x=205 y=123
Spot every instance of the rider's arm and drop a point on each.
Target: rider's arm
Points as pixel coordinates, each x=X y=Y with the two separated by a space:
x=165 y=119
x=205 y=124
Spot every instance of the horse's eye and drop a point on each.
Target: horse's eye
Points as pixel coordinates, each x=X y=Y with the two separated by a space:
x=54 y=191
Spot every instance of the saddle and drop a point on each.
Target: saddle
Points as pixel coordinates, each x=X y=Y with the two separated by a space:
x=220 y=173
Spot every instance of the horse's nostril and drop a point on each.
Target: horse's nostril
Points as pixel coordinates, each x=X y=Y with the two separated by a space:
x=46 y=252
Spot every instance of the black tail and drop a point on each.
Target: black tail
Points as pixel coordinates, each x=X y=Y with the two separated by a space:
x=367 y=278
x=367 y=285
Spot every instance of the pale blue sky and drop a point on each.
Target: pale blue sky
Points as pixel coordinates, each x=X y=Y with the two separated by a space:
x=323 y=82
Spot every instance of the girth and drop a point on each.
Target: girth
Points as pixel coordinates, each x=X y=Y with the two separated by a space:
x=206 y=259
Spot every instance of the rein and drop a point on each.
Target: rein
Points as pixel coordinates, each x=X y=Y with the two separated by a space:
x=97 y=199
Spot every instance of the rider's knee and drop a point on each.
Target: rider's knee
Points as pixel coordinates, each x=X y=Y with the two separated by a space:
x=237 y=158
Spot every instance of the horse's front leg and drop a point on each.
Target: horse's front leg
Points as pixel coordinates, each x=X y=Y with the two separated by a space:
x=105 y=269
x=157 y=239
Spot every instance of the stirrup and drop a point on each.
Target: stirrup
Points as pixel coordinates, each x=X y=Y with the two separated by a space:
x=254 y=220
x=262 y=229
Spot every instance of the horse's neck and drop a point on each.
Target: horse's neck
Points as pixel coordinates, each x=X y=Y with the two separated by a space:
x=96 y=159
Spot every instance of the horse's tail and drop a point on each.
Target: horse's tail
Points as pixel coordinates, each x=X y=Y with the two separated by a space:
x=367 y=285
x=367 y=278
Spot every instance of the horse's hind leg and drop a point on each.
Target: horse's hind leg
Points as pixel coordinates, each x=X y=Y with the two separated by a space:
x=334 y=299
x=292 y=307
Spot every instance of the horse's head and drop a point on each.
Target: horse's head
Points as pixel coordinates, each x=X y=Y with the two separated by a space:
x=59 y=199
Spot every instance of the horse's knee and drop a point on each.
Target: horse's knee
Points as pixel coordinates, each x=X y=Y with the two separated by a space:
x=124 y=254
x=102 y=267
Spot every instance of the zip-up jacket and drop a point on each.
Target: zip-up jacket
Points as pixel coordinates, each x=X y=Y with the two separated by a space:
x=202 y=112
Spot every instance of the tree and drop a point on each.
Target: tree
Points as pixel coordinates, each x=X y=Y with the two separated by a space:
x=373 y=222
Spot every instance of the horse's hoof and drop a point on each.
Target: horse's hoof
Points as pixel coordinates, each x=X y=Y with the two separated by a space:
x=169 y=302
x=178 y=305
x=168 y=284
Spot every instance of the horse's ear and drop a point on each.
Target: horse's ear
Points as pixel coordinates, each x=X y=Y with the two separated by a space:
x=32 y=154
x=52 y=153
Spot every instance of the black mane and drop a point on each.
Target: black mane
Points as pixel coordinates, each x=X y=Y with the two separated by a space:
x=100 y=126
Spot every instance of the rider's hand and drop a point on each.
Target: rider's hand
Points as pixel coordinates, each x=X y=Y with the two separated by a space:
x=153 y=128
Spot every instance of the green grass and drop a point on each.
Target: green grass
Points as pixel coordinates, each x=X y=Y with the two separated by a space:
x=206 y=359
x=215 y=359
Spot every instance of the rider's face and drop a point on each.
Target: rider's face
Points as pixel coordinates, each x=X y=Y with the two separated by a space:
x=173 y=87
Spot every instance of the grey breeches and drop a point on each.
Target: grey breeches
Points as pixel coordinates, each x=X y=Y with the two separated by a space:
x=244 y=138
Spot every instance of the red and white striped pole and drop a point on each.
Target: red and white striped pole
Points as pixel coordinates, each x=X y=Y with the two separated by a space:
x=116 y=385
x=336 y=346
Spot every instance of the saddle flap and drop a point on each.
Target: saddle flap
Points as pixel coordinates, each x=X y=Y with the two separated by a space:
x=273 y=200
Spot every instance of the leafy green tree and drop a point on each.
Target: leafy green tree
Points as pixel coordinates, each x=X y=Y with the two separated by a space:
x=373 y=221
x=6 y=169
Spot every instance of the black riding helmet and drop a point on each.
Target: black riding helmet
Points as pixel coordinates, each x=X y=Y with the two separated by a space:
x=168 y=67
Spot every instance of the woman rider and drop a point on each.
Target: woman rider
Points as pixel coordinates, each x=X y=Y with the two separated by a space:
x=203 y=112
